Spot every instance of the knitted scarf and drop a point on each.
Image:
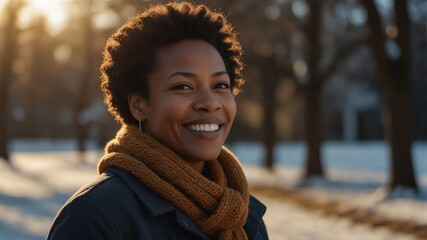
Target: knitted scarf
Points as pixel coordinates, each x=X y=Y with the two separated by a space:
x=218 y=206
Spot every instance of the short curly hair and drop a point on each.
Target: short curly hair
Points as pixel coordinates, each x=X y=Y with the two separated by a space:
x=130 y=54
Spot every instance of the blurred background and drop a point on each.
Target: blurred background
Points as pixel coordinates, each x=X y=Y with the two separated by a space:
x=315 y=71
x=318 y=74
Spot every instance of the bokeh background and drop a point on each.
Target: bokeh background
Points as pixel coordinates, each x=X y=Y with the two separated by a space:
x=317 y=72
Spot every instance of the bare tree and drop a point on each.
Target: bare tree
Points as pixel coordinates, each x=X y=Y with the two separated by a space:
x=269 y=67
x=313 y=134
x=395 y=77
x=274 y=67
x=40 y=83
x=7 y=54
x=82 y=100
x=312 y=89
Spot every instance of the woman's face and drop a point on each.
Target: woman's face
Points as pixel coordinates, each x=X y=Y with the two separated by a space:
x=191 y=107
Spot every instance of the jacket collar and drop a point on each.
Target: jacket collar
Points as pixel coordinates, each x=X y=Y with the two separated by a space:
x=157 y=205
x=256 y=208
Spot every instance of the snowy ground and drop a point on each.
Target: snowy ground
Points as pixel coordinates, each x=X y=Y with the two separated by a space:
x=46 y=173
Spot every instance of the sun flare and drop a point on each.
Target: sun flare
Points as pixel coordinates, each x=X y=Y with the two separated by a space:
x=42 y=5
x=54 y=11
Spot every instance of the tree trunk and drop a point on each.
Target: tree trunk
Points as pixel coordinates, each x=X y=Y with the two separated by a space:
x=269 y=134
x=395 y=78
x=313 y=113
x=402 y=167
x=314 y=166
x=402 y=170
x=8 y=54
x=84 y=87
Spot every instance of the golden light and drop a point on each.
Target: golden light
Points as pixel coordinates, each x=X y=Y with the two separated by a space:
x=300 y=68
x=391 y=30
x=55 y=13
x=42 y=5
x=2 y=4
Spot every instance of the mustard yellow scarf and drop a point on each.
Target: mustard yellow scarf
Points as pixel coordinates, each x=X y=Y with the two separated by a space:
x=218 y=206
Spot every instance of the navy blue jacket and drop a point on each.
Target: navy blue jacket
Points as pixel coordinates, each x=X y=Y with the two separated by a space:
x=117 y=206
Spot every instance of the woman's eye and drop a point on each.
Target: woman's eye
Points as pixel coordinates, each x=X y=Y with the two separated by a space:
x=223 y=85
x=181 y=86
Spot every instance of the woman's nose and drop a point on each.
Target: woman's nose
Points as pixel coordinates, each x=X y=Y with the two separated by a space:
x=206 y=102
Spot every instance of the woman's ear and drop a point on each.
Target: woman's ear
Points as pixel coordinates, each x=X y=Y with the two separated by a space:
x=137 y=106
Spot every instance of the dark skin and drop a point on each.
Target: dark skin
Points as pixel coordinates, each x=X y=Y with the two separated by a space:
x=191 y=107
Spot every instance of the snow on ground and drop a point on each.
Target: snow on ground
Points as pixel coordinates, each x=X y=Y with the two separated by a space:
x=289 y=222
x=356 y=174
x=34 y=189
x=46 y=173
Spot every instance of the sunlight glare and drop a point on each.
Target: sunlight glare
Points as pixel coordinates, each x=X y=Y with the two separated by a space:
x=2 y=4
x=54 y=11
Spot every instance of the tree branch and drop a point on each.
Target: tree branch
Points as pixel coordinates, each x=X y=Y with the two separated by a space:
x=340 y=56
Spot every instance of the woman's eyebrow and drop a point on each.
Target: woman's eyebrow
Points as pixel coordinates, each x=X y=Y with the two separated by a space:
x=193 y=75
x=184 y=74
x=218 y=74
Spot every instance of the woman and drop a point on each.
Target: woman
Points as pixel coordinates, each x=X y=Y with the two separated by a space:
x=169 y=76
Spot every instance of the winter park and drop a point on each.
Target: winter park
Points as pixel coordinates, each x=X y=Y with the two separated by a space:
x=330 y=126
x=45 y=174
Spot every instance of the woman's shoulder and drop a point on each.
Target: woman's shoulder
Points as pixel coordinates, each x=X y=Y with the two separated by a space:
x=121 y=195
x=91 y=205
x=118 y=206
x=106 y=188
x=109 y=203
x=118 y=191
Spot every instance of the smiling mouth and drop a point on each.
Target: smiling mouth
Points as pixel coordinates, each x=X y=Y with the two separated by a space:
x=212 y=127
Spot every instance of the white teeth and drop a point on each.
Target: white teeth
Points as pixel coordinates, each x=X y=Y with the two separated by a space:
x=204 y=127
